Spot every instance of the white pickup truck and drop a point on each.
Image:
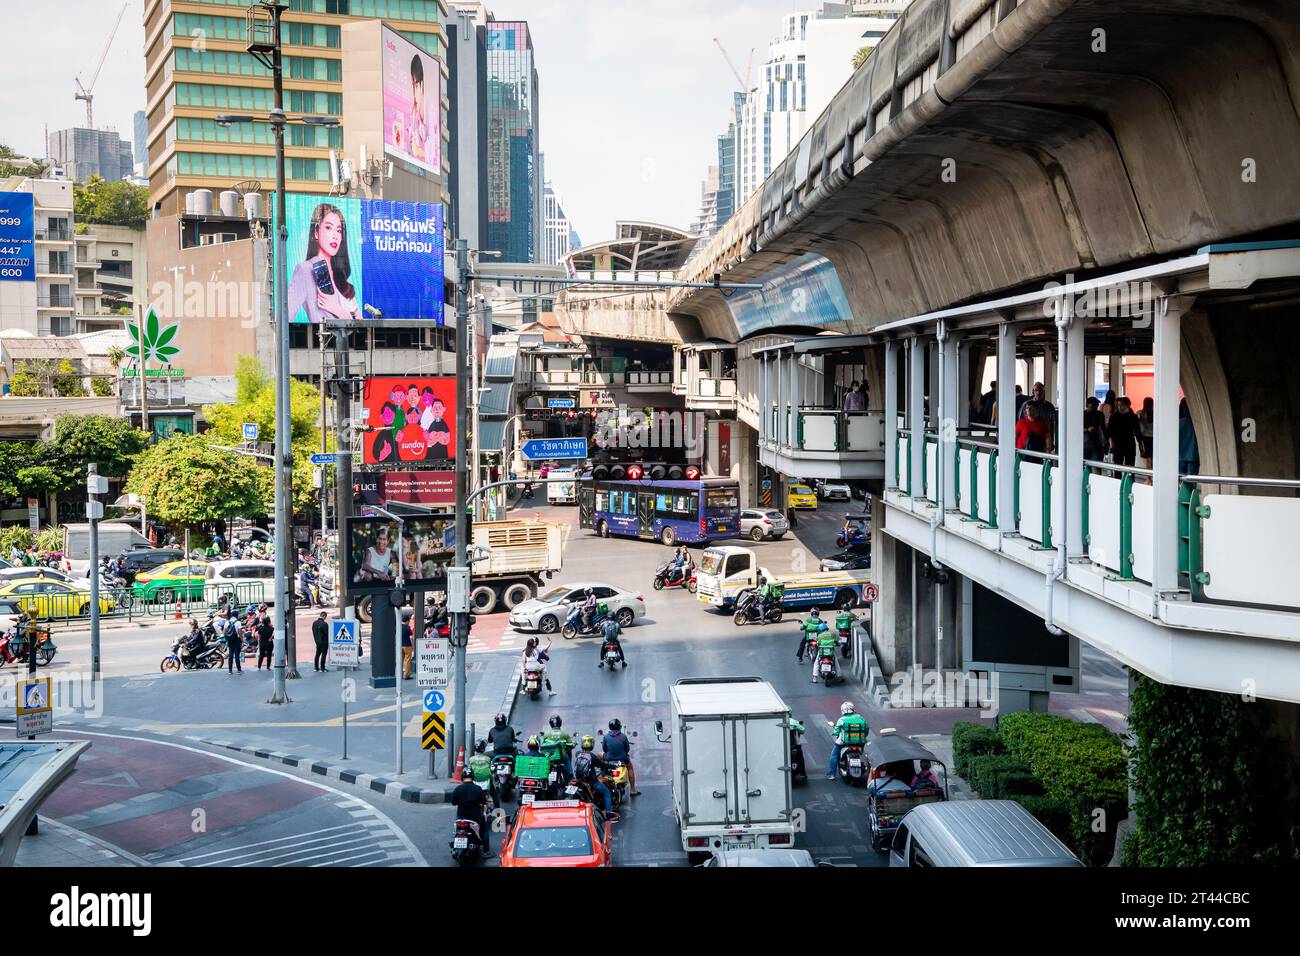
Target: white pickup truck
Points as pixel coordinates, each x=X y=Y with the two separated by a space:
x=731 y=764
x=725 y=571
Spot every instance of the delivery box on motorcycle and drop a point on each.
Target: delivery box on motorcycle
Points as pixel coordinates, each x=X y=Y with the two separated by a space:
x=731 y=764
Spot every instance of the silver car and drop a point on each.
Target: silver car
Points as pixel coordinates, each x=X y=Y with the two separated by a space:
x=548 y=611
x=760 y=523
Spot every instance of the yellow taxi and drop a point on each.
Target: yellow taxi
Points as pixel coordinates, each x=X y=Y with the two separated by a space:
x=53 y=599
x=801 y=496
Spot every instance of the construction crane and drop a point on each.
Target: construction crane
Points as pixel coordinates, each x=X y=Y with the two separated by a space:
x=87 y=93
x=749 y=66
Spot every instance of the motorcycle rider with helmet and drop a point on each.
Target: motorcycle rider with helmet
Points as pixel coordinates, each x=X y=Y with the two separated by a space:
x=502 y=737
x=470 y=801
x=851 y=728
x=616 y=747
x=587 y=768
x=824 y=643
x=610 y=635
x=588 y=609
x=808 y=630
x=479 y=767
x=558 y=740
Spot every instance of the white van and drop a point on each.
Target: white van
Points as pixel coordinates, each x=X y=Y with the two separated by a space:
x=562 y=492
x=250 y=582
x=114 y=538
x=976 y=833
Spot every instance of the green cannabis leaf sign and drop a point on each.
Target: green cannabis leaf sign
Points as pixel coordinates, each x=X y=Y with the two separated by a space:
x=157 y=345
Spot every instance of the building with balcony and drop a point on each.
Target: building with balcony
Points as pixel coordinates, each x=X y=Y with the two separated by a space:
x=83 y=153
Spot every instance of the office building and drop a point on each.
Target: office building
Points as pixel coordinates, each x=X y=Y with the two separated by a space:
x=83 y=153
x=188 y=85
x=560 y=239
x=514 y=164
x=806 y=65
x=140 y=134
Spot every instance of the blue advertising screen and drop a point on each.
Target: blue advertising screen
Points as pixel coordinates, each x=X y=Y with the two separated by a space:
x=355 y=259
x=17 y=237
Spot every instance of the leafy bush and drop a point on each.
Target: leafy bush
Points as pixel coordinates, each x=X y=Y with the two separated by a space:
x=971 y=740
x=1081 y=765
x=1014 y=784
x=989 y=771
x=1212 y=787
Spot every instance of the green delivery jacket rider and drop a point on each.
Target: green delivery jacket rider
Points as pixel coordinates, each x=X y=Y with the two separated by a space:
x=811 y=628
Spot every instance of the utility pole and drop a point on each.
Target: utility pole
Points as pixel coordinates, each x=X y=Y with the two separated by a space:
x=144 y=387
x=324 y=446
x=342 y=467
x=95 y=485
x=460 y=610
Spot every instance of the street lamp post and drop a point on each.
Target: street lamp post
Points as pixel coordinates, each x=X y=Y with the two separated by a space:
x=265 y=46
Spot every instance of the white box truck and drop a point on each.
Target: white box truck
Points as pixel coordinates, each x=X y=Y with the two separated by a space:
x=731 y=764
x=562 y=492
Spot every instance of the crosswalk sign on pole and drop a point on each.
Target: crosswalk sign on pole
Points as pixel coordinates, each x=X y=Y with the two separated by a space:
x=433 y=730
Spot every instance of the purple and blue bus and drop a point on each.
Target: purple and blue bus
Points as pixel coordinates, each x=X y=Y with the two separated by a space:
x=670 y=512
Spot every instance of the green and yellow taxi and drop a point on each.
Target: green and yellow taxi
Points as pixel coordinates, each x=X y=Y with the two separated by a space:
x=44 y=598
x=175 y=580
x=801 y=496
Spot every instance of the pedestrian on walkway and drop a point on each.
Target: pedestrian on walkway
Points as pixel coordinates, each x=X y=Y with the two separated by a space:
x=1122 y=429
x=1189 y=456
x=407 y=648
x=229 y=629
x=320 y=632
x=265 y=642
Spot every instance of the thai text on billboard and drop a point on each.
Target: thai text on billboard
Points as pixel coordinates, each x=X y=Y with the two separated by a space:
x=351 y=259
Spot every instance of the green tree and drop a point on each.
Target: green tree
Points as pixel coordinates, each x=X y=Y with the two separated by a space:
x=187 y=480
x=53 y=378
x=10 y=168
x=862 y=56
x=112 y=204
x=15 y=458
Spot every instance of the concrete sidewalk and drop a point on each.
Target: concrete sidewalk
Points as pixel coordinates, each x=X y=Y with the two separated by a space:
x=231 y=711
x=56 y=845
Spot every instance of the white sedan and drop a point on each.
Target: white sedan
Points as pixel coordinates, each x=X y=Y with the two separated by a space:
x=833 y=490
x=549 y=610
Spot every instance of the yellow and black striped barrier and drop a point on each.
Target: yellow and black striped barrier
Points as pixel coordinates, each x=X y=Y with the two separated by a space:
x=433 y=730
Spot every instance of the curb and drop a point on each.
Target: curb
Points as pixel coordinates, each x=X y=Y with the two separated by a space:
x=348 y=775
x=866 y=669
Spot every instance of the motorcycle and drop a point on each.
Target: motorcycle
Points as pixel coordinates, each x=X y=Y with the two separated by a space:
x=503 y=776
x=853 y=766
x=527 y=493
x=574 y=627
x=13 y=645
x=824 y=665
x=852 y=540
x=747 y=610
x=664 y=578
x=209 y=656
x=798 y=768
x=612 y=654
x=844 y=633
x=466 y=843
x=533 y=681
x=616 y=780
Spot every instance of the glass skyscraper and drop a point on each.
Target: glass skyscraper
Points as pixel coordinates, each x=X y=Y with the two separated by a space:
x=513 y=163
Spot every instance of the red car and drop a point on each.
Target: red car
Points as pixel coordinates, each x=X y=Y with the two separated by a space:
x=557 y=833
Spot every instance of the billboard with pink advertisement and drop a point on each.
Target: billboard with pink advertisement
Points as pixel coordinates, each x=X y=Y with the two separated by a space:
x=412 y=103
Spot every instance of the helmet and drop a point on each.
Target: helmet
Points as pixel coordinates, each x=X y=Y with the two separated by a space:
x=616 y=725
x=499 y=720
x=588 y=742
x=556 y=722
x=846 y=708
x=590 y=591
x=480 y=746
x=816 y=612
x=533 y=744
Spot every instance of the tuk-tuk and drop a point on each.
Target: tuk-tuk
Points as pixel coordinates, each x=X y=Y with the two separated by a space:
x=900 y=757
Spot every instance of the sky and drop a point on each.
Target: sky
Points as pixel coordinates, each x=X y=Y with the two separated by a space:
x=633 y=92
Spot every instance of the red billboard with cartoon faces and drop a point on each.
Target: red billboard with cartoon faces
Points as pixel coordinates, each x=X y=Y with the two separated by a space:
x=410 y=420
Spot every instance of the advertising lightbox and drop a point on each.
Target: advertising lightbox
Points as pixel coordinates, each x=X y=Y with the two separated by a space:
x=410 y=419
x=355 y=259
x=412 y=103
x=17 y=237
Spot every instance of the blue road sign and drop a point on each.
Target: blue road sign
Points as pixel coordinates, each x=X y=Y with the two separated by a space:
x=540 y=449
x=560 y=403
x=434 y=700
x=320 y=459
x=250 y=431
x=344 y=632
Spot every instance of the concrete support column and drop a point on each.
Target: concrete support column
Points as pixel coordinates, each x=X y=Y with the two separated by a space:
x=762 y=397
x=1006 y=428
x=793 y=416
x=779 y=372
x=1166 y=353
x=949 y=417
x=891 y=413
x=1115 y=373
x=916 y=351
x=1049 y=373
x=1069 y=430
x=932 y=384
x=965 y=389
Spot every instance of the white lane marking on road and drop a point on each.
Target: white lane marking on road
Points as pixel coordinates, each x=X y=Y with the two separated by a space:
x=359 y=856
x=264 y=843
x=396 y=830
